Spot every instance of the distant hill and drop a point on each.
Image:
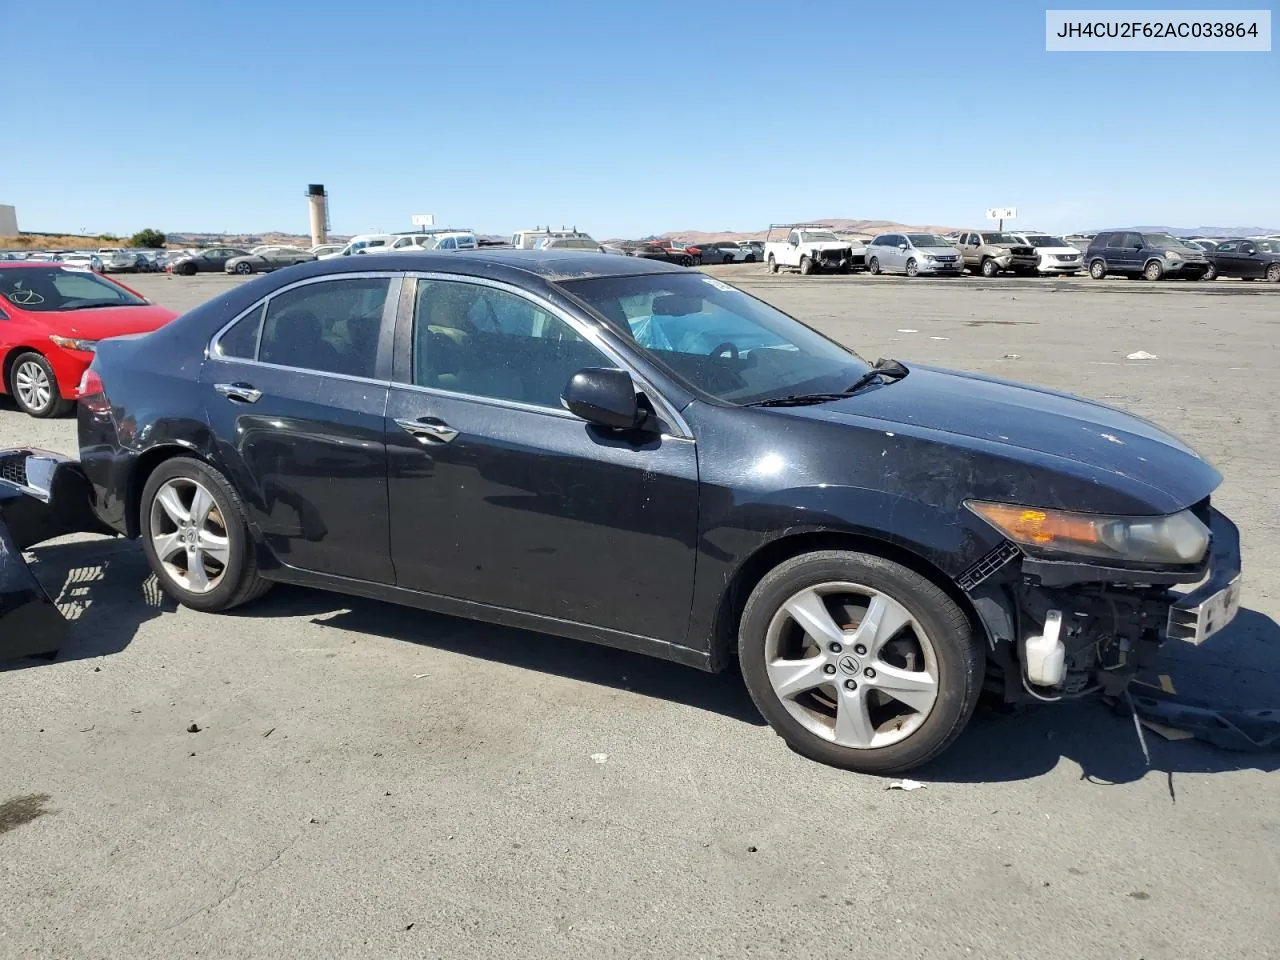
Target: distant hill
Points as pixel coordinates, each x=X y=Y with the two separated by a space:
x=860 y=228
x=1202 y=231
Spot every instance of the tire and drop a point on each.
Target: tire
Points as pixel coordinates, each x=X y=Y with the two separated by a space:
x=806 y=266
x=1153 y=271
x=244 y=269
x=695 y=261
x=1098 y=270
x=1211 y=273
x=873 y=266
x=751 y=258
x=727 y=259
x=819 y=713
x=1273 y=273
x=989 y=268
x=913 y=268
x=186 y=271
x=772 y=264
x=34 y=387
x=232 y=578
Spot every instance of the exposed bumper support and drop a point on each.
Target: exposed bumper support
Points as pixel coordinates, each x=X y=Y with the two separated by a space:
x=42 y=495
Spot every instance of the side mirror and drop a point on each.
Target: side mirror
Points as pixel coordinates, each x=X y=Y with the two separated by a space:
x=902 y=246
x=604 y=396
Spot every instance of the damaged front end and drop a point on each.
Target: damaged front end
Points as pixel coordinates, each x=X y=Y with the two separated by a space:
x=1065 y=628
x=43 y=495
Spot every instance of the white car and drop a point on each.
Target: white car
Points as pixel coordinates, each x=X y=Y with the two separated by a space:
x=322 y=250
x=371 y=242
x=84 y=261
x=723 y=251
x=1056 y=255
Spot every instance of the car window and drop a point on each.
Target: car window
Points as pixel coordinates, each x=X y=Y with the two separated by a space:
x=718 y=339
x=1248 y=249
x=475 y=339
x=793 y=238
x=1230 y=246
x=1115 y=240
x=331 y=326
x=241 y=341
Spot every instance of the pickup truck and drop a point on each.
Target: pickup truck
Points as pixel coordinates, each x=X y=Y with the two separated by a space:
x=807 y=248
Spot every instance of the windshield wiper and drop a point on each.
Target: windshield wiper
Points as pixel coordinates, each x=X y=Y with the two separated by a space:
x=95 y=306
x=891 y=370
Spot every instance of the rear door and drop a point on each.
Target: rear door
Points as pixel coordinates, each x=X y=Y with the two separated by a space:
x=500 y=496
x=1124 y=252
x=296 y=393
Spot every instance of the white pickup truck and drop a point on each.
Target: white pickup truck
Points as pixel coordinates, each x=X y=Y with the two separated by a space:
x=807 y=248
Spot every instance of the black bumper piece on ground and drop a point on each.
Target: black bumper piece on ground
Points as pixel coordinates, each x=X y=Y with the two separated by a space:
x=42 y=495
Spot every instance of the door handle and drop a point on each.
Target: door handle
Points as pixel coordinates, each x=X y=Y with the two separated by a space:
x=426 y=430
x=241 y=392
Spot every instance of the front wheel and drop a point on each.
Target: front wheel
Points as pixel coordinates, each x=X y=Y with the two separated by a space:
x=1153 y=271
x=873 y=266
x=990 y=268
x=196 y=538
x=1098 y=270
x=34 y=387
x=913 y=268
x=806 y=266
x=859 y=662
x=1211 y=273
x=1273 y=273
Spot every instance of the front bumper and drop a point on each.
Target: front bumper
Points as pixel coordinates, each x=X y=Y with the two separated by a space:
x=1214 y=602
x=1185 y=268
x=42 y=495
x=1061 y=266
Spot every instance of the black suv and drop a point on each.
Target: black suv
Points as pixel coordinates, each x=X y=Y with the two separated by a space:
x=1150 y=255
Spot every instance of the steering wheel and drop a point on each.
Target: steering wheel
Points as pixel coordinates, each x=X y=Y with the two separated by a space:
x=725 y=347
x=24 y=297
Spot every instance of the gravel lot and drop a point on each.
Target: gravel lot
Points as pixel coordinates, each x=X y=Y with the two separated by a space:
x=370 y=781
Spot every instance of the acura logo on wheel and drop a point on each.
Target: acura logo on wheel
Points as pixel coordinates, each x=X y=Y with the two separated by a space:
x=849 y=665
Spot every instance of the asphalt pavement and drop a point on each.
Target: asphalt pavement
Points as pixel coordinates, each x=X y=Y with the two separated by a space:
x=370 y=781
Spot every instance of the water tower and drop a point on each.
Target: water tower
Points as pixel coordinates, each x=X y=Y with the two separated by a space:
x=318 y=200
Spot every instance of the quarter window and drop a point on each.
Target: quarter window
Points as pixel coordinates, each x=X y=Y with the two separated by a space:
x=330 y=327
x=479 y=340
x=241 y=341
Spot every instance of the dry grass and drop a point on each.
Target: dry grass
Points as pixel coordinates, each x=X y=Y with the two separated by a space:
x=31 y=241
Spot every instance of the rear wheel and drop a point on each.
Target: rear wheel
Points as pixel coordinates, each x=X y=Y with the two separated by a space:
x=34 y=387
x=1153 y=270
x=196 y=537
x=243 y=268
x=1097 y=270
x=772 y=264
x=859 y=662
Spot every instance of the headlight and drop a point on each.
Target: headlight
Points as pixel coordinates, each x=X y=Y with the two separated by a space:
x=1179 y=538
x=71 y=343
x=1172 y=255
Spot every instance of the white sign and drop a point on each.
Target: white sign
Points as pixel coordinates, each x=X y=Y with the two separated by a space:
x=424 y=219
x=1002 y=213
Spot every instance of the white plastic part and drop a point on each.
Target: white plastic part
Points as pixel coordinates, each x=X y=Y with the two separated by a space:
x=1045 y=654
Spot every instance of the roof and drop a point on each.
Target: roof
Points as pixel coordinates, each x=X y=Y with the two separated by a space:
x=550 y=265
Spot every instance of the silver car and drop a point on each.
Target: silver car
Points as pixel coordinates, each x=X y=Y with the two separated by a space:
x=914 y=254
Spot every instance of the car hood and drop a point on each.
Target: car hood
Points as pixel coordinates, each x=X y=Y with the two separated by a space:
x=104 y=322
x=1028 y=423
x=1058 y=251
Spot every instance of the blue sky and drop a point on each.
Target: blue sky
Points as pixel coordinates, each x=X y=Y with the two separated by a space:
x=624 y=118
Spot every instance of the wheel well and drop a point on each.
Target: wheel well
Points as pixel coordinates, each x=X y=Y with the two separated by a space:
x=11 y=358
x=142 y=470
x=729 y=611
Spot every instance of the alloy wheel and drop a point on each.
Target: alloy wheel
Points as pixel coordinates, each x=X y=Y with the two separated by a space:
x=1273 y=273
x=852 y=665
x=32 y=384
x=189 y=535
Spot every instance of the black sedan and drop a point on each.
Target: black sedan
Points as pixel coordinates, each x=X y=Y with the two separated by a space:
x=212 y=260
x=625 y=452
x=655 y=251
x=1248 y=259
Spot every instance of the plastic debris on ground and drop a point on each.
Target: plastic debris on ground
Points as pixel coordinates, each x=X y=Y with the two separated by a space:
x=599 y=758
x=1141 y=355
x=905 y=785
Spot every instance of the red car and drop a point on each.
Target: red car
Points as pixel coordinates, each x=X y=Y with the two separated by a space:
x=51 y=319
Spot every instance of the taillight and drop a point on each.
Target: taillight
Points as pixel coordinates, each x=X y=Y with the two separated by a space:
x=92 y=392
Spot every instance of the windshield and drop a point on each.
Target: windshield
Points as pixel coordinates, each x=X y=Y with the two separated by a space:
x=719 y=340
x=1165 y=240
x=1041 y=240
x=999 y=239
x=927 y=240
x=816 y=236
x=56 y=288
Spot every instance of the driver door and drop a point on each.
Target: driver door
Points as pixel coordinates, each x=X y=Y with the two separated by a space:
x=500 y=496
